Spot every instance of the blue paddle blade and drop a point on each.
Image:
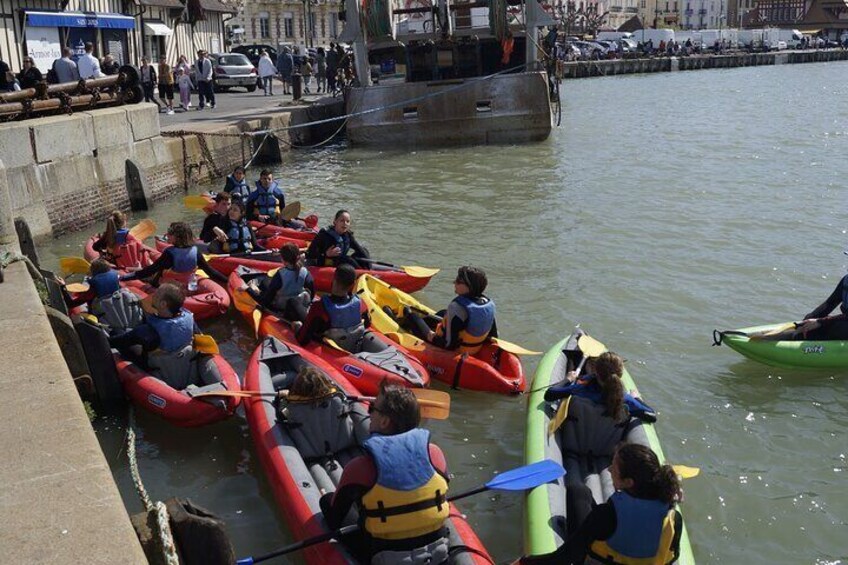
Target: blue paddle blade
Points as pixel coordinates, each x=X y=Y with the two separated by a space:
x=527 y=477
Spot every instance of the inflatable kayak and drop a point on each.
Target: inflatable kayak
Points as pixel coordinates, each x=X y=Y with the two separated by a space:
x=491 y=369
x=182 y=407
x=286 y=437
x=802 y=354
x=407 y=279
x=545 y=519
x=134 y=254
x=379 y=358
x=262 y=229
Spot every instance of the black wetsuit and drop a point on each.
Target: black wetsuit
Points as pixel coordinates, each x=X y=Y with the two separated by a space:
x=316 y=255
x=834 y=327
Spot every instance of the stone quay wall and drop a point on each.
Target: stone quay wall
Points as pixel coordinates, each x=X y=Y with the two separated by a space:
x=583 y=69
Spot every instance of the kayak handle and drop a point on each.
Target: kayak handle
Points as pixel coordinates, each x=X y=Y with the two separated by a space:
x=717 y=337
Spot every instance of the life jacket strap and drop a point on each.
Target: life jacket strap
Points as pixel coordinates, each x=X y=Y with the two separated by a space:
x=383 y=513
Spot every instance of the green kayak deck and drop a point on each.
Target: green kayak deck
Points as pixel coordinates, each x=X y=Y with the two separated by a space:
x=803 y=354
x=543 y=524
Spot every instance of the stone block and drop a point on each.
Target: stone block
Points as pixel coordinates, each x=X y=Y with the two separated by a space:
x=109 y=165
x=15 y=146
x=58 y=137
x=67 y=176
x=111 y=127
x=144 y=156
x=8 y=238
x=144 y=120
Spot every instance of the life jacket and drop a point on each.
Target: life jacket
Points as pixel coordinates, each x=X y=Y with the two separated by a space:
x=238 y=238
x=120 y=310
x=342 y=241
x=184 y=264
x=121 y=236
x=292 y=288
x=643 y=535
x=480 y=317
x=174 y=333
x=267 y=201
x=238 y=189
x=105 y=284
x=346 y=327
x=127 y=251
x=409 y=498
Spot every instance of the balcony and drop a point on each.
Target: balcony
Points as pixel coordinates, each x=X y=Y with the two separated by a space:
x=688 y=12
x=702 y=12
x=631 y=10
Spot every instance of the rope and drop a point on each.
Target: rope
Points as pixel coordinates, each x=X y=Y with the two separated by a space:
x=8 y=257
x=163 y=526
x=258 y=149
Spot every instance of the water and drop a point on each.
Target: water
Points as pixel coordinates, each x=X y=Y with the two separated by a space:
x=665 y=206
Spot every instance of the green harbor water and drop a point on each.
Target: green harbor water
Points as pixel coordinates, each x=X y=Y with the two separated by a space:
x=664 y=207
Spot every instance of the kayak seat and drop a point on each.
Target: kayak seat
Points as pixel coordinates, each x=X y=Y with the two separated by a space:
x=390 y=359
x=322 y=428
x=176 y=369
x=279 y=362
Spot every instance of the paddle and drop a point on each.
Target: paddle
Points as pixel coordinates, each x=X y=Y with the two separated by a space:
x=205 y=344
x=519 y=479
x=686 y=472
x=291 y=211
x=74 y=265
x=196 y=202
x=144 y=229
x=589 y=346
x=77 y=288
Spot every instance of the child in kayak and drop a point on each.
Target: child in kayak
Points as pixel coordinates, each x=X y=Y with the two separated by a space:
x=118 y=246
x=469 y=320
x=236 y=185
x=290 y=290
x=237 y=236
x=333 y=243
x=602 y=385
x=340 y=315
x=635 y=523
x=179 y=262
x=219 y=218
x=266 y=202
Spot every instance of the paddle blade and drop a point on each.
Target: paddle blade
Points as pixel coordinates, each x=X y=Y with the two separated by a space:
x=590 y=346
x=420 y=272
x=335 y=345
x=243 y=302
x=205 y=344
x=291 y=211
x=559 y=417
x=74 y=265
x=195 y=202
x=528 y=476
x=406 y=341
x=686 y=472
x=144 y=229
x=513 y=348
x=257 y=321
x=434 y=404
x=77 y=288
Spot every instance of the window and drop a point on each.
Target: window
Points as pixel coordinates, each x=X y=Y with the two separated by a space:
x=288 y=24
x=334 y=25
x=264 y=25
x=643 y=4
x=311 y=25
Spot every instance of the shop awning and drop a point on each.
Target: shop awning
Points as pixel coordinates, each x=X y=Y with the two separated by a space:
x=80 y=19
x=158 y=28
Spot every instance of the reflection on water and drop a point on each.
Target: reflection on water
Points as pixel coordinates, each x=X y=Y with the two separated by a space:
x=666 y=206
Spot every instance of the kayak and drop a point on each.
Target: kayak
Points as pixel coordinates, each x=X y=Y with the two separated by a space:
x=182 y=407
x=269 y=230
x=297 y=474
x=408 y=279
x=802 y=354
x=380 y=358
x=545 y=509
x=491 y=369
x=144 y=258
x=209 y=300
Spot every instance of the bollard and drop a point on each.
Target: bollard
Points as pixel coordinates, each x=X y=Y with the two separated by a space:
x=297 y=86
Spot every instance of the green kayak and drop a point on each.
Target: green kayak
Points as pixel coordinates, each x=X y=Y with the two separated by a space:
x=544 y=517
x=797 y=354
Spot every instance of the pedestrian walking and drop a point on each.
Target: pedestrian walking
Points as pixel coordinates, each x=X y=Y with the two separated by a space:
x=88 y=64
x=285 y=66
x=148 y=81
x=184 y=83
x=205 y=87
x=166 y=84
x=65 y=68
x=267 y=71
x=332 y=67
x=321 y=70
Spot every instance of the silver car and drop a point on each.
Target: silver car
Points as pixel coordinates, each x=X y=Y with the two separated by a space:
x=234 y=69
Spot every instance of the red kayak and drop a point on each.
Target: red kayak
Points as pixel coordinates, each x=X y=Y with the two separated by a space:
x=407 y=279
x=208 y=301
x=181 y=407
x=380 y=359
x=298 y=478
x=264 y=230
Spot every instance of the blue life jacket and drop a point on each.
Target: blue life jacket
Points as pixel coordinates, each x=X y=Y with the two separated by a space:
x=267 y=200
x=238 y=238
x=121 y=236
x=293 y=281
x=481 y=316
x=238 y=189
x=105 y=284
x=343 y=241
x=638 y=530
x=185 y=258
x=844 y=305
x=174 y=333
x=344 y=315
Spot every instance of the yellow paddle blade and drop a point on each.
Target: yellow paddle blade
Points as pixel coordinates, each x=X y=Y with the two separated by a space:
x=71 y=265
x=774 y=331
x=333 y=344
x=513 y=348
x=291 y=211
x=144 y=229
x=195 y=202
x=257 y=320
x=686 y=472
x=77 y=287
x=432 y=397
x=243 y=302
x=590 y=346
x=408 y=341
x=420 y=272
x=205 y=344
x=559 y=417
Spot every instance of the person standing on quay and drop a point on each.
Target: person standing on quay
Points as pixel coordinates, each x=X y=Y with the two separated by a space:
x=285 y=66
x=65 y=68
x=89 y=66
x=205 y=87
x=321 y=70
x=148 y=81
x=267 y=70
x=166 y=84
x=332 y=66
x=185 y=96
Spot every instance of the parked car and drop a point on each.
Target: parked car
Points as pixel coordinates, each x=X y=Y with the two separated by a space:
x=252 y=52
x=234 y=69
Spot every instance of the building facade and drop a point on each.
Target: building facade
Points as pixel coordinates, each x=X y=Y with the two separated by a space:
x=125 y=29
x=619 y=12
x=310 y=23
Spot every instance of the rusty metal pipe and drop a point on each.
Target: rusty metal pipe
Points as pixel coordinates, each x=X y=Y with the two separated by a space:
x=57 y=103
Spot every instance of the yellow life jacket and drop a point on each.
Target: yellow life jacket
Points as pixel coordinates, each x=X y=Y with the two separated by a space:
x=480 y=317
x=409 y=498
x=644 y=533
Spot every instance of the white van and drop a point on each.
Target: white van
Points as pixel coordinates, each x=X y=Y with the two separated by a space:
x=613 y=35
x=653 y=35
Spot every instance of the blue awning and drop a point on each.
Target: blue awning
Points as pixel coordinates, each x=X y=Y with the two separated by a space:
x=80 y=19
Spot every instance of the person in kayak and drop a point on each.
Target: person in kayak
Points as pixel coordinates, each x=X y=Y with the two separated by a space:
x=219 y=218
x=117 y=308
x=469 y=320
x=332 y=244
x=266 y=202
x=819 y=325
x=117 y=245
x=290 y=290
x=179 y=262
x=637 y=523
x=236 y=185
x=340 y=315
x=602 y=385
x=400 y=488
x=237 y=236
